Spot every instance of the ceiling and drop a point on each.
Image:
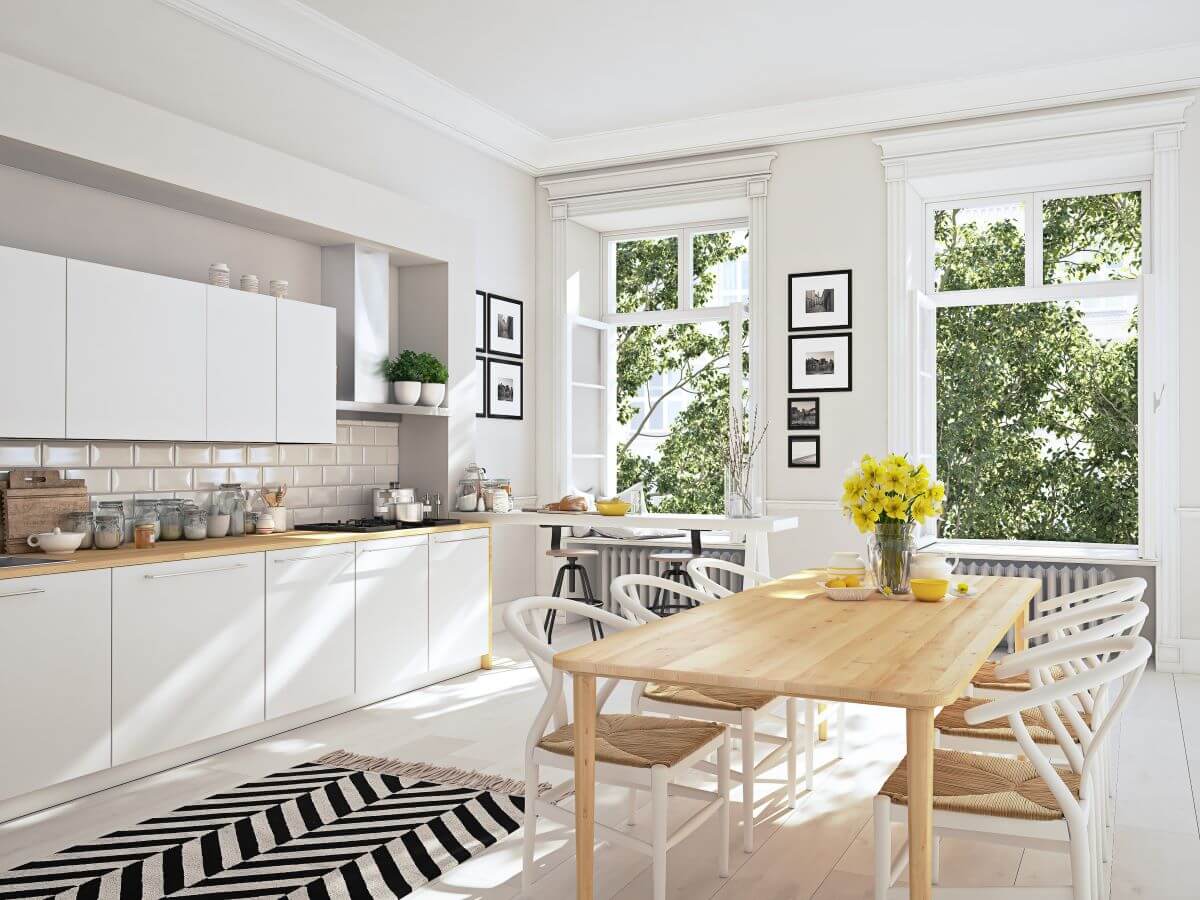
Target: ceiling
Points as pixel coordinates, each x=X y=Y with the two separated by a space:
x=569 y=69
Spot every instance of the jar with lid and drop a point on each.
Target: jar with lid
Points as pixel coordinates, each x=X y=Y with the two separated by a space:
x=170 y=520
x=145 y=512
x=195 y=523
x=470 y=489
x=230 y=500
x=82 y=523
x=109 y=525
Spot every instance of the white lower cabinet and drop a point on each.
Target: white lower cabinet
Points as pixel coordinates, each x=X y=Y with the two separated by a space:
x=54 y=679
x=310 y=627
x=459 y=590
x=187 y=652
x=392 y=614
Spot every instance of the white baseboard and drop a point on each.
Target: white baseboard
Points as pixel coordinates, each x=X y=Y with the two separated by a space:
x=1180 y=656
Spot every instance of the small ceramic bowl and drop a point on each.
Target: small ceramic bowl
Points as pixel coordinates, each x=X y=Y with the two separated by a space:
x=56 y=541
x=847 y=593
x=612 y=507
x=929 y=589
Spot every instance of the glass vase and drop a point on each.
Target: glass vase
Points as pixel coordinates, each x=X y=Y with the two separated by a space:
x=740 y=506
x=890 y=551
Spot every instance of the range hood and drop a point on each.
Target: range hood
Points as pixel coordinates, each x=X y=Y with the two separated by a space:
x=354 y=280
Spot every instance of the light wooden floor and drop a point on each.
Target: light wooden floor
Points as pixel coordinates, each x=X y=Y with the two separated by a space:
x=822 y=849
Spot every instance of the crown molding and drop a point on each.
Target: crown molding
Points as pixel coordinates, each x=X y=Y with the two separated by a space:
x=303 y=37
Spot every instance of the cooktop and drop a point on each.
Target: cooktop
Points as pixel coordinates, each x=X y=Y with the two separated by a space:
x=376 y=524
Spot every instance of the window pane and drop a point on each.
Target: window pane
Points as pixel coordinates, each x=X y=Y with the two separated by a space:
x=1096 y=238
x=1037 y=407
x=647 y=274
x=979 y=247
x=720 y=267
x=673 y=413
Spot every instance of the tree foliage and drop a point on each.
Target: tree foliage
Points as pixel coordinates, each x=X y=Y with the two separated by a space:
x=686 y=474
x=1037 y=419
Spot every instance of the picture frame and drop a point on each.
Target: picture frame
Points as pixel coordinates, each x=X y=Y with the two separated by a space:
x=506 y=389
x=505 y=327
x=820 y=301
x=804 y=413
x=480 y=321
x=804 y=451
x=482 y=395
x=820 y=363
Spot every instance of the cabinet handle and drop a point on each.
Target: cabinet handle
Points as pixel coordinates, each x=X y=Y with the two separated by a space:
x=390 y=549
x=23 y=593
x=197 y=572
x=306 y=558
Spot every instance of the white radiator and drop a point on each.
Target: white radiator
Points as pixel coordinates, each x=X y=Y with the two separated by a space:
x=624 y=558
x=1056 y=580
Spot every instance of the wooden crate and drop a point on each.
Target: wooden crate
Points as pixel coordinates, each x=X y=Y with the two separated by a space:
x=26 y=511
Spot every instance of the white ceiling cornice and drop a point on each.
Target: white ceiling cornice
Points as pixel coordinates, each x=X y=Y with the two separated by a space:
x=298 y=34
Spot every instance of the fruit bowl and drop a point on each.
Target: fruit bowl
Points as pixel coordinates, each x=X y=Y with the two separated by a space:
x=861 y=592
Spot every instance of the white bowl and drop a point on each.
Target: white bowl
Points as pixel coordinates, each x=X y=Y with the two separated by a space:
x=56 y=541
x=848 y=593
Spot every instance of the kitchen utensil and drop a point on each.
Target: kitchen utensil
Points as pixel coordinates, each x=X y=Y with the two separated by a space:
x=411 y=512
x=265 y=523
x=613 y=507
x=929 y=589
x=56 y=541
x=37 y=510
x=931 y=565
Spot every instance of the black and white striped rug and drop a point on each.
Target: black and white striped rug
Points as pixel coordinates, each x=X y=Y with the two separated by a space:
x=344 y=826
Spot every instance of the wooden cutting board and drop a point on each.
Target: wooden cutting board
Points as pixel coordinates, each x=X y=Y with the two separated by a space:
x=33 y=510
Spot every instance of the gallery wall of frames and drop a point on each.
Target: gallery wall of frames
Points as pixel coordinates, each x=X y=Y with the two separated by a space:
x=820 y=356
x=499 y=351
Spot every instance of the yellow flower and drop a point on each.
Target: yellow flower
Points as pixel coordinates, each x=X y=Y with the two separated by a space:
x=889 y=479
x=893 y=508
x=922 y=509
x=868 y=465
x=897 y=460
x=853 y=484
x=874 y=496
x=864 y=520
x=937 y=493
x=920 y=477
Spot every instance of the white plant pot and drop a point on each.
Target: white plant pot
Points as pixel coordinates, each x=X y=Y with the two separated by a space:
x=406 y=392
x=432 y=394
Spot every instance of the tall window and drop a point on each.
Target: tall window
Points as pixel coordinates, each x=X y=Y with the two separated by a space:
x=1034 y=302
x=678 y=374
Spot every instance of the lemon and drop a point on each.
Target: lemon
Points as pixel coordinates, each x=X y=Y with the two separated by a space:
x=963 y=587
x=836 y=583
x=852 y=581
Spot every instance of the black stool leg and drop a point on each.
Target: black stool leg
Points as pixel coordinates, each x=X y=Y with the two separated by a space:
x=552 y=614
x=591 y=601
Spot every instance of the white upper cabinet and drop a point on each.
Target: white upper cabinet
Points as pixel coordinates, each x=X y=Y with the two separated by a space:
x=459 y=597
x=241 y=366
x=135 y=355
x=306 y=373
x=33 y=363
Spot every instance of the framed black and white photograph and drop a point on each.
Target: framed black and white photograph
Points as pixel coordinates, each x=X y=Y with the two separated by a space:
x=819 y=363
x=506 y=389
x=804 y=413
x=482 y=393
x=819 y=300
x=505 y=326
x=480 y=321
x=804 y=452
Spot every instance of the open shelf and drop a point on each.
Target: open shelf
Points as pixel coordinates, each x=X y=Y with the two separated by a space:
x=392 y=409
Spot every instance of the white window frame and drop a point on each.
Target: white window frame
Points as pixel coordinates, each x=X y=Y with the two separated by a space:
x=1035 y=291
x=734 y=313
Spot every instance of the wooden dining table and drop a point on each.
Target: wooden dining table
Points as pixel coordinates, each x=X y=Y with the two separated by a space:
x=788 y=638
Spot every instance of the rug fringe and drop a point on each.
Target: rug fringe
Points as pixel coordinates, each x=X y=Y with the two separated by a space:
x=427 y=772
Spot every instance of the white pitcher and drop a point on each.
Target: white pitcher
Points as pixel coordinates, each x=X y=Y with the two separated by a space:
x=931 y=565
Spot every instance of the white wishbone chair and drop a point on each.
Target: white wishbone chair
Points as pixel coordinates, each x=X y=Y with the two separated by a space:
x=741 y=709
x=1027 y=802
x=986 y=683
x=641 y=752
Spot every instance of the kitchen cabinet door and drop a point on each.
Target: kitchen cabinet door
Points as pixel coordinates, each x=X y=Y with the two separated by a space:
x=241 y=366
x=135 y=367
x=188 y=658
x=459 y=597
x=306 y=373
x=391 y=615
x=54 y=668
x=310 y=627
x=33 y=363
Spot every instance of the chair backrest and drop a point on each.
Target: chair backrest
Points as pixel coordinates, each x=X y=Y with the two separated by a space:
x=626 y=590
x=1123 y=662
x=1109 y=592
x=699 y=568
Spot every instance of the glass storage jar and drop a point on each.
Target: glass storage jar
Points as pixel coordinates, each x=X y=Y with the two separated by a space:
x=230 y=500
x=109 y=525
x=195 y=523
x=170 y=520
x=82 y=523
x=145 y=512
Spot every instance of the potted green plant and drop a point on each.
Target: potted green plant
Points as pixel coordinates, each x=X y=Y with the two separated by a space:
x=402 y=370
x=433 y=374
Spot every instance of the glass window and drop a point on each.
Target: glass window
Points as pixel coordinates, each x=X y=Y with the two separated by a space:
x=1097 y=237
x=720 y=267
x=979 y=247
x=647 y=274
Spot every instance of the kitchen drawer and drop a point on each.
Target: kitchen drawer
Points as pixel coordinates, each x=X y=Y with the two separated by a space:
x=450 y=537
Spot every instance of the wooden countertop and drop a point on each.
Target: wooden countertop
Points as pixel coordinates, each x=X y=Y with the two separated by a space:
x=173 y=551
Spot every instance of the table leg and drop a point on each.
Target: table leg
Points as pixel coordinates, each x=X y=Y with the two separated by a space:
x=757 y=555
x=697 y=548
x=585 y=785
x=920 y=804
x=1020 y=642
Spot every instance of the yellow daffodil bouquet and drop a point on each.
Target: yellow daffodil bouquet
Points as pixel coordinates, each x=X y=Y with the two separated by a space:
x=890 y=491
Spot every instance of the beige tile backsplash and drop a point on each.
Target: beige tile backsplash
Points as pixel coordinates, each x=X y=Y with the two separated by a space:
x=324 y=482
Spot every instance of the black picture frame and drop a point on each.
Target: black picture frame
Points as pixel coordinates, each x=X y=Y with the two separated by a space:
x=816 y=442
x=793 y=293
x=520 y=340
x=520 y=398
x=481 y=410
x=795 y=339
x=481 y=321
x=816 y=402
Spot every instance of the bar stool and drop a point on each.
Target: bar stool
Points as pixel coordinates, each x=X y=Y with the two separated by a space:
x=676 y=571
x=568 y=571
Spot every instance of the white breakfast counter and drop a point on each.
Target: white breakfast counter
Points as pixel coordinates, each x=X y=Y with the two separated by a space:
x=755 y=529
